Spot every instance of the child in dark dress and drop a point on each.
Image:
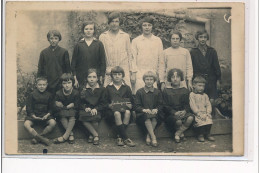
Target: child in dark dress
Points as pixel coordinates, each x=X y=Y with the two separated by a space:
x=39 y=110
x=176 y=99
x=53 y=62
x=88 y=53
x=120 y=101
x=149 y=106
x=92 y=105
x=66 y=106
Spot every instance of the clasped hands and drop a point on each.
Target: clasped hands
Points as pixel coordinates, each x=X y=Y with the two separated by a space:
x=92 y=111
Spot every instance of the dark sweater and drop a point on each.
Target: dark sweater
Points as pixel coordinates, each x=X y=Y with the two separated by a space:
x=39 y=104
x=207 y=64
x=96 y=99
x=53 y=64
x=86 y=57
x=150 y=100
x=124 y=92
x=67 y=99
x=176 y=100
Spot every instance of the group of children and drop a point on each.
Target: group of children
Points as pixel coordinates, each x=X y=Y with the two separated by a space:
x=110 y=78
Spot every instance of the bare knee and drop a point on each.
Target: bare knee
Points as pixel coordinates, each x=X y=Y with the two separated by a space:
x=28 y=124
x=190 y=119
x=52 y=122
x=178 y=123
x=127 y=114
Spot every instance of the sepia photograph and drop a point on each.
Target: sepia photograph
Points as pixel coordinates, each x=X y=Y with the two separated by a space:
x=124 y=78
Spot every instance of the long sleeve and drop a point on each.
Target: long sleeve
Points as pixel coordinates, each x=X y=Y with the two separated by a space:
x=130 y=95
x=82 y=104
x=77 y=101
x=168 y=107
x=138 y=102
x=66 y=60
x=162 y=67
x=160 y=53
x=185 y=102
x=102 y=104
x=74 y=60
x=189 y=68
x=208 y=104
x=193 y=105
x=56 y=98
x=102 y=55
x=41 y=70
x=134 y=56
x=131 y=58
x=50 y=104
x=160 y=102
x=29 y=105
x=216 y=65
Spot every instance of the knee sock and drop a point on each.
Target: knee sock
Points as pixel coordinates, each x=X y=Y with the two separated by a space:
x=181 y=130
x=90 y=128
x=122 y=132
x=32 y=132
x=149 y=127
x=47 y=130
x=69 y=128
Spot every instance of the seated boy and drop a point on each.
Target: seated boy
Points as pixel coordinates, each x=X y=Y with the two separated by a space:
x=176 y=99
x=120 y=101
x=149 y=106
x=53 y=62
x=38 y=107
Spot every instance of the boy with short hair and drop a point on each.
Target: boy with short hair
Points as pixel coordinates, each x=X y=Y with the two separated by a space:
x=54 y=61
x=120 y=104
x=39 y=110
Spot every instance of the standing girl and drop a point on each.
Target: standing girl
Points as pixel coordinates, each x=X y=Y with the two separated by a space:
x=88 y=53
x=93 y=103
x=118 y=50
x=66 y=105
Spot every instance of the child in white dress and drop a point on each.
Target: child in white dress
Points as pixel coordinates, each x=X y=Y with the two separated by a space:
x=201 y=107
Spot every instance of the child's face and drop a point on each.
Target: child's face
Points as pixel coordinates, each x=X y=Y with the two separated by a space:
x=199 y=87
x=202 y=39
x=67 y=85
x=175 y=79
x=114 y=24
x=149 y=81
x=175 y=41
x=92 y=79
x=41 y=85
x=54 y=40
x=117 y=77
x=89 y=31
x=147 y=28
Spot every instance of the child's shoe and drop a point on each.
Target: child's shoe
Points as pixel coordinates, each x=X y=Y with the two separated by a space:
x=201 y=138
x=34 y=141
x=148 y=140
x=177 y=139
x=42 y=139
x=96 y=140
x=210 y=138
x=90 y=139
x=120 y=142
x=183 y=137
x=71 y=139
x=154 y=143
x=129 y=142
x=59 y=140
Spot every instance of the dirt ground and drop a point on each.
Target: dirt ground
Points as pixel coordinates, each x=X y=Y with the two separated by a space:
x=223 y=143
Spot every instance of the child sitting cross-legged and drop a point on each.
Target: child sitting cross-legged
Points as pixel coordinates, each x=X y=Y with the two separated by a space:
x=120 y=101
x=176 y=99
x=201 y=107
x=93 y=102
x=39 y=111
x=149 y=106
x=66 y=106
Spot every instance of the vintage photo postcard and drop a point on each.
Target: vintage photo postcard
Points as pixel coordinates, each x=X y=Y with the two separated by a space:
x=124 y=78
